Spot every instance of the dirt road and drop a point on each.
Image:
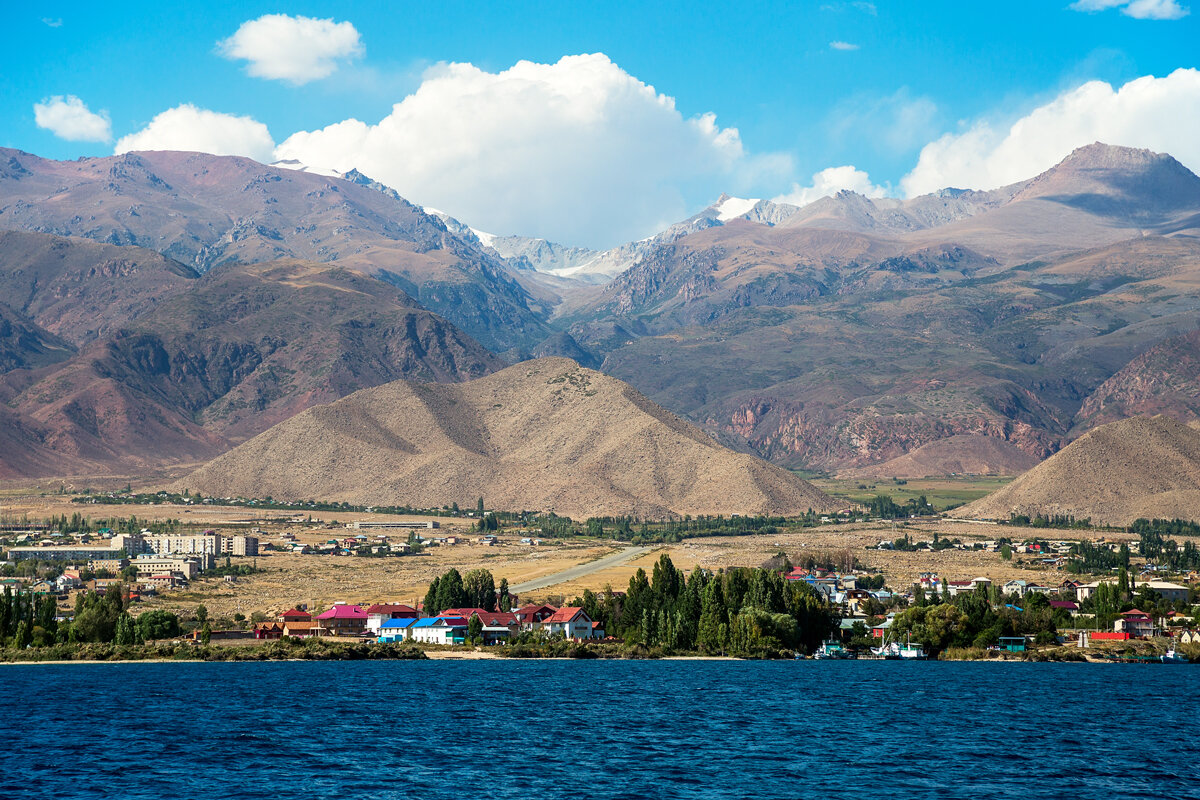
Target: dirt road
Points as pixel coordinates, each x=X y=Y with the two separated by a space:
x=576 y=572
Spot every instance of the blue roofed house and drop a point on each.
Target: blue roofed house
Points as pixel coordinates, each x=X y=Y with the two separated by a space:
x=395 y=630
x=439 y=630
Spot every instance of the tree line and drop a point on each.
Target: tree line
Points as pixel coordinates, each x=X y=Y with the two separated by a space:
x=28 y=620
x=476 y=589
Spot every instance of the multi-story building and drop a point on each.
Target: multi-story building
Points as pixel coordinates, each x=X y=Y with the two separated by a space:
x=151 y=565
x=187 y=544
x=132 y=543
x=73 y=554
x=241 y=545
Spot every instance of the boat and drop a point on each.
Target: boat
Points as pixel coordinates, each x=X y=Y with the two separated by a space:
x=831 y=648
x=894 y=651
x=1171 y=657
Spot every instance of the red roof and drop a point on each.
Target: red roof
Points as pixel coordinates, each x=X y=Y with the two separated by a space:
x=392 y=608
x=297 y=614
x=465 y=613
x=531 y=613
x=565 y=615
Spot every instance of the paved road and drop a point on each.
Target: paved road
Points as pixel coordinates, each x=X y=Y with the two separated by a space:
x=619 y=557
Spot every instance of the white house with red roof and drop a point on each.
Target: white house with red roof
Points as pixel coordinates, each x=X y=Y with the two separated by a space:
x=572 y=622
x=532 y=617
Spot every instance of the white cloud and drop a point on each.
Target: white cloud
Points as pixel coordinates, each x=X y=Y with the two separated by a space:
x=842 y=46
x=1138 y=9
x=578 y=151
x=829 y=182
x=1161 y=114
x=292 y=49
x=52 y=22
x=187 y=127
x=69 y=118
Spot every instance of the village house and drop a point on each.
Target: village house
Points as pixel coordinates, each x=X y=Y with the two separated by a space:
x=342 y=620
x=439 y=630
x=295 y=615
x=397 y=629
x=531 y=617
x=382 y=612
x=1136 y=623
x=966 y=587
x=571 y=621
x=1069 y=606
x=268 y=630
x=300 y=629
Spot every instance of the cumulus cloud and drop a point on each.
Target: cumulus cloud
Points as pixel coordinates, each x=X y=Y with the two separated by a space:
x=578 y=151
x=829 y=182
x=1161 y=114
x=1138 y=9
x=69 y=118
x=836 y=45
x=293 y=49
x=187 y=127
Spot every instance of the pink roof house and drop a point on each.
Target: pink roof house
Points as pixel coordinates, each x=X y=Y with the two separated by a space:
x=342 y=620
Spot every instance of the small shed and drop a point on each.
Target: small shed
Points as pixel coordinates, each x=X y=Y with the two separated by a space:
x=1012 y=644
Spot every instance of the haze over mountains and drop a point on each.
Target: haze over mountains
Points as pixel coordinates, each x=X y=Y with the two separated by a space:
x=959 y=331
x=543 y=435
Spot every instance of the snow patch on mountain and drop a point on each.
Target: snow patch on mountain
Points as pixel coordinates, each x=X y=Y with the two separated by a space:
x=733 y=207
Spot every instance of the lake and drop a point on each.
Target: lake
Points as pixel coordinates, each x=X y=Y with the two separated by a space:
x=603 y=729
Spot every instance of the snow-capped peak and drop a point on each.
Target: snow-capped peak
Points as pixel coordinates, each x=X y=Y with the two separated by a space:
x=733 y=207
x=488 y=239
x=291 y=163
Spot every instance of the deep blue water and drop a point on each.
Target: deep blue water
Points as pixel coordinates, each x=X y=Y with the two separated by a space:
x=610 y=729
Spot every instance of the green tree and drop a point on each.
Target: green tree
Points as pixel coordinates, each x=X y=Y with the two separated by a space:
x=124 y=632
x=431 y=598
x=205 y=633
x=202 y=613
x=475 y=629
x=714 y=618
x=23 y=636
x=450 y=591
x=157 y=624
x=1006 y=552
x=480 y=589
x=504 y=600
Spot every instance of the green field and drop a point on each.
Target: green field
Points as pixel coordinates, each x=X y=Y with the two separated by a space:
x=942 y=492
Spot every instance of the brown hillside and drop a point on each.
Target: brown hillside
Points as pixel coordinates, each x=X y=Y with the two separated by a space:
x=955 y=455
x=1137 y=467
x=541 y=435
x=244 y=348
x=1163 y=380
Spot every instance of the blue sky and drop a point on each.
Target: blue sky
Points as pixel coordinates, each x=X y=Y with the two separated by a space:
x=903 y=75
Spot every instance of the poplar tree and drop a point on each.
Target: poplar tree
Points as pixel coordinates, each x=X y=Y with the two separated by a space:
x=713 y=619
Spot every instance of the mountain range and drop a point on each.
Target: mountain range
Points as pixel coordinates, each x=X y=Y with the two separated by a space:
x=161 y=308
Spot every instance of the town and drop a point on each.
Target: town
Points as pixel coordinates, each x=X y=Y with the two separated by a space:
x=1108 y=597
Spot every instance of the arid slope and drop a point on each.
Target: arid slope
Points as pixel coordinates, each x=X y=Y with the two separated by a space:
x=541 y=435
x=1137 y=467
